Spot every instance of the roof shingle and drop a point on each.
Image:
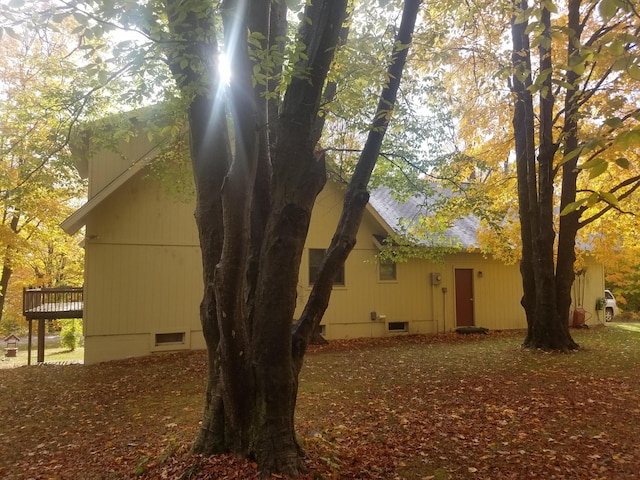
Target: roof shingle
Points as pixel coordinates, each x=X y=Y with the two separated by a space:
x=400 y=215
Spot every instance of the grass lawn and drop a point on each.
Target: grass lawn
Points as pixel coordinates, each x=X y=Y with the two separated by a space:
x=437 y=407
x=53 y=353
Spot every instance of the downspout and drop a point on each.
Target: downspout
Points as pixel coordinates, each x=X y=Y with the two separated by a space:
x=433 y=310
x=444 y=309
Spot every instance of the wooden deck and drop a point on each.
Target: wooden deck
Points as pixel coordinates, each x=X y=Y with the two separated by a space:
x=49 y=304
x=52 y=303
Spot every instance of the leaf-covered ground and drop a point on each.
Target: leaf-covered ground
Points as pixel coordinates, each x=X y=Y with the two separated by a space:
x=443 y=407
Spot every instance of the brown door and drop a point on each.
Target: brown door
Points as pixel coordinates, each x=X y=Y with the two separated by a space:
x=464 y=297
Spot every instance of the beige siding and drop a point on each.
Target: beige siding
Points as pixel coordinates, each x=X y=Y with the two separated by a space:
x=586 y=290
x=143 y=273
x=143 y=277
x=141 y=213
x=141 y=289
x=411 y=298
x=497 y=290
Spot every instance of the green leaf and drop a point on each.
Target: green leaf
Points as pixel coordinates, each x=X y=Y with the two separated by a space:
x=60 y=17
x=625 y=139
x=613 y=122
x=573 y=206
x=598 y=170
x=522 y=17
x=623 y=163
x=81 y=19
x=596 y=166
x=607 y=9
x=103 y=77
x=593 y=198
x=616 y=48
x=550 y=5
x=610 y=198
x=634 y=71
x=563 y=84
x=578 y=68
x=593 y=163
x=12 y=33
x=571 y=155
x=620 y=64
x=531 y=27
x=293 y=4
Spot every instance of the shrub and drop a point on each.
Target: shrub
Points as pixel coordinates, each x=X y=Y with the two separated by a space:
x=70 y=335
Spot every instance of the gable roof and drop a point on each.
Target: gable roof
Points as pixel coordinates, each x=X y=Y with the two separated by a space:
x=78 y=219
x=402 y=214
x=393 y=215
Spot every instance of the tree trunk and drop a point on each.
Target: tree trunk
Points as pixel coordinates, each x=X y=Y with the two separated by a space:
x=545 y=294
x=257 y=179
x=7 y=271
x=570 y=222
x=7 y=264
x=253 y=207
x=357 y=196
x=523 y=128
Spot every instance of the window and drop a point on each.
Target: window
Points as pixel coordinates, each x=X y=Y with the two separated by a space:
x=315 y=259
x=169 y=338
x=398 y=326
x=386 y=269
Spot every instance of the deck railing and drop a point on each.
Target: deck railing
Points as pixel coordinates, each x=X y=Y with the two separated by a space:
x=65 y=302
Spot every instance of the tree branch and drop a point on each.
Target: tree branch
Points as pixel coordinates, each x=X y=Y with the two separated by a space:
x=356 y=197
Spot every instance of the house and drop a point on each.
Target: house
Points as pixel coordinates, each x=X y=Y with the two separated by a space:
x=143 y=277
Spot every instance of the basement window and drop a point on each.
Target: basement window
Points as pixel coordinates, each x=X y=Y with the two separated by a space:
x=398 y=327
x=176 y=338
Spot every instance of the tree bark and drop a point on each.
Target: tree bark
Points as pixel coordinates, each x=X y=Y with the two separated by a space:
x=253 y=205
x=569 y=223
x=257 y=179
x=357 y=196
x=7 y=271
x=298 y=176
x=7 y=264
x=523 y=128
x=545 y=293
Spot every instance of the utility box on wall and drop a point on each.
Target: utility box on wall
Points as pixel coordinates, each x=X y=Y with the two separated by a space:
x=436 y=278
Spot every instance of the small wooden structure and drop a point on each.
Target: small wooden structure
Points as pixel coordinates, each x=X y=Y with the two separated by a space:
x=12 y=345
x=49 y=304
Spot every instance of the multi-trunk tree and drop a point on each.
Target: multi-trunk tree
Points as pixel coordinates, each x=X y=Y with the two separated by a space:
x=570 y=126
x=257 y=178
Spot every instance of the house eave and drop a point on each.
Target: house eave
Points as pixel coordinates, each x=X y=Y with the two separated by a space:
x=78 y=219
